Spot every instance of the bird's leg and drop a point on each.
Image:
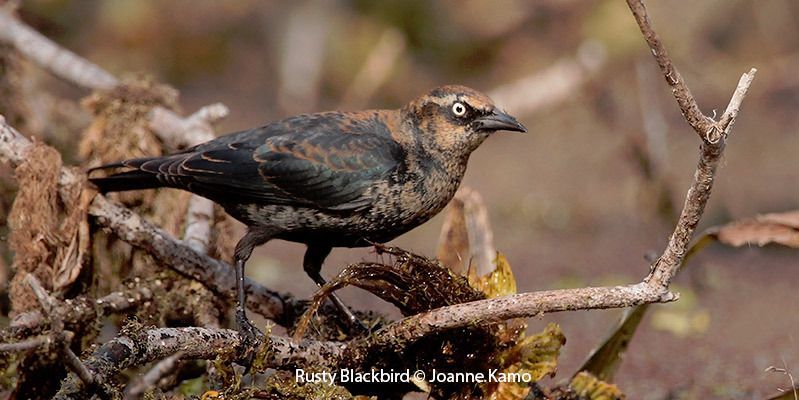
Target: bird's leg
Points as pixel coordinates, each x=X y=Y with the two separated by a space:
x=312 y=264
x=249 y=334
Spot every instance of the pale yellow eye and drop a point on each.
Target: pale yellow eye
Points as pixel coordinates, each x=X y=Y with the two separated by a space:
x=459 y=109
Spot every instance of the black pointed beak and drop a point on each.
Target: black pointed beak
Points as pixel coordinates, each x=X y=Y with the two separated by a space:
x=498 y=121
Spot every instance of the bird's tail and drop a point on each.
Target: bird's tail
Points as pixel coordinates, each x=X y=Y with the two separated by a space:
x=132 y=179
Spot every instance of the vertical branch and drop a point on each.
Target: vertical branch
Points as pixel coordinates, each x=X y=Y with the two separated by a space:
x=713 y=135
x=665 y=267
x=703 y=125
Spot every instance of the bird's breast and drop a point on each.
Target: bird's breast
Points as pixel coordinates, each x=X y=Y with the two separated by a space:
x=412 y=200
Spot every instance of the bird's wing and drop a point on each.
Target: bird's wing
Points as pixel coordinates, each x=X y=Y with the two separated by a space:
x=312 y=162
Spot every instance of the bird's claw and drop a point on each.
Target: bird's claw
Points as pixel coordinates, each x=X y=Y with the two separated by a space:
x=249 y=339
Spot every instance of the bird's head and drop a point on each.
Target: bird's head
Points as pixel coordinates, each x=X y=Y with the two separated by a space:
x=456 y=119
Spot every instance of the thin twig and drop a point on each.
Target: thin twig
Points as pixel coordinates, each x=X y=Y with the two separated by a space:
x=78 y=311
x=26 y=345
x=48 y=304
x=794 y=388
x=45 y=300
x=76 y=366
x=193 y=130
x=728 y=118
x=690 y=110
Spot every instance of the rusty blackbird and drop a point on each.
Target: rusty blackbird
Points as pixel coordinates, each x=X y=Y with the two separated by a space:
x=331 y=179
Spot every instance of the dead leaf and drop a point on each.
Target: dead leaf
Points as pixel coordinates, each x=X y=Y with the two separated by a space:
x=779 y=228
x=466 y=237
x=77 y=254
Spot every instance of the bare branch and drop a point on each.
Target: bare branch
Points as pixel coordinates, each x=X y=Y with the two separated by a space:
x=14 y=146
x=707 y=128
x=690 y=110
x=216 y=275
x=522 y=305
x=127 y=351
x=26 y=345
x=76 y=366
x=713 y=135
x=80 y=310
x=191 y=131
x=43 y=51
x=48 y=304
x=667 y=265
x=46 y=301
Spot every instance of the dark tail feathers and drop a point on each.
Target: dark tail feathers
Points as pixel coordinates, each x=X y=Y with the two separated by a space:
x=127 y=180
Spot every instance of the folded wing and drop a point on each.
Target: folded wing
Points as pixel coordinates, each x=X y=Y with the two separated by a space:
x=325 y=161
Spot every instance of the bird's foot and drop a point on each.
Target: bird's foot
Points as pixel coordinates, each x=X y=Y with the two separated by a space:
x=249 y=339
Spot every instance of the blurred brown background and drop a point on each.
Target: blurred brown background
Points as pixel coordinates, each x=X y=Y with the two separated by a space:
x=577 y=201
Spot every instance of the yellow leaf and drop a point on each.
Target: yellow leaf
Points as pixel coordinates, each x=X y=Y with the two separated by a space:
x=536 y=355
x=539 y=353
x=500 y=282
x=589 y=387
x=211 y=395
